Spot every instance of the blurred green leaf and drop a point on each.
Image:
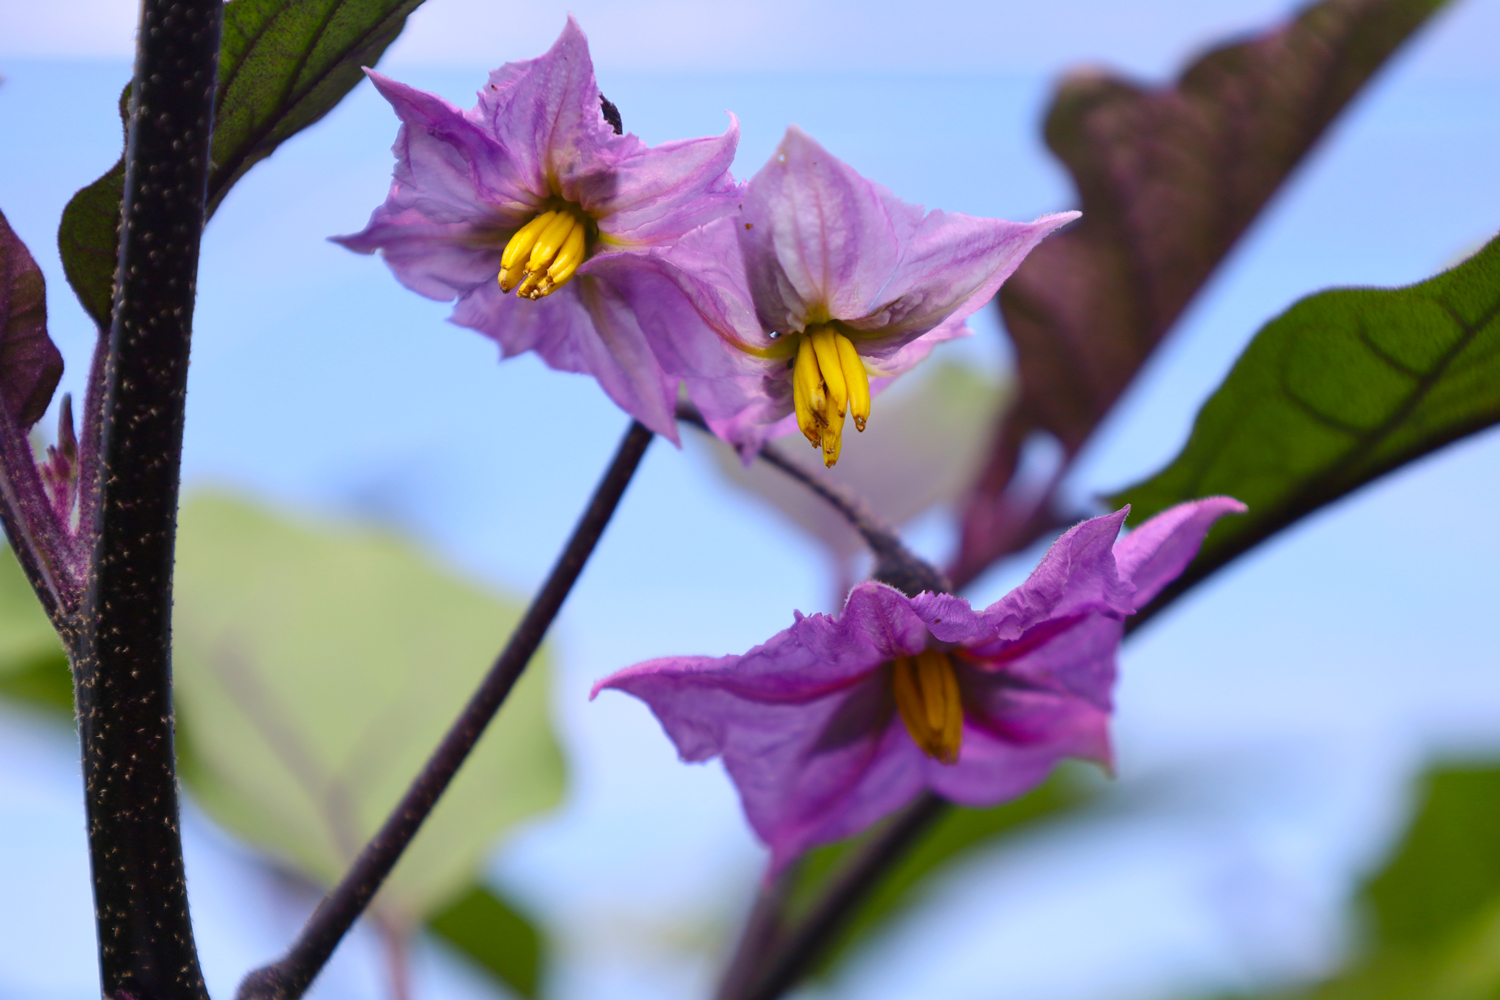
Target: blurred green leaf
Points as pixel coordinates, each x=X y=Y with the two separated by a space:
x=1168 y=177
x=487 y=930
x=1447 y=869
x=283 y=64
x=316 y=668
x=34 y=670
x=1341 y=388
x=957 y=835
x=1434 y=908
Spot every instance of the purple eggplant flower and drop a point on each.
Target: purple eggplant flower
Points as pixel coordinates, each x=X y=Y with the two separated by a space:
x=822 y=280
x=839 y=721
x=529 y=210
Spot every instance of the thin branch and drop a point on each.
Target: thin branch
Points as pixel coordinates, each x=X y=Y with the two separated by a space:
x=289 y=977
x=791 y=957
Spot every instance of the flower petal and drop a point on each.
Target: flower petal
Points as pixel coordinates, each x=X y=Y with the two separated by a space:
x=804 y=722
x=818 y=235
x=1154 y=554
x=950 y=267
x=658 y=193
x=545 y=113
x=1013 y=748
x=589 y=325
x=438 y=260
x=449 y=170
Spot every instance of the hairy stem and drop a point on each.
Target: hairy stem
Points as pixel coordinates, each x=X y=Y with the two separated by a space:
x=290 y=976
x=122 y=665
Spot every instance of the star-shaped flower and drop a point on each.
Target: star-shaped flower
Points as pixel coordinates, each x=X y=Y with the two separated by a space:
x=530 y=208
x=838 y=721
x=822 y=280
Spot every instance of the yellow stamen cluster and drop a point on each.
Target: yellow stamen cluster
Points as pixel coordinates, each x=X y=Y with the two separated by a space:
x=544 y=253
x=926 y=690
x=829 y=378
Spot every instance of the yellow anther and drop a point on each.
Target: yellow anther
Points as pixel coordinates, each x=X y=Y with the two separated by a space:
x=543 y=254
x=807 y=392
x=550 y=241
x=856 y=379
x=828 y=378
x=513 y=260
x=824 y=341
x=927 y=696
x=566 y=262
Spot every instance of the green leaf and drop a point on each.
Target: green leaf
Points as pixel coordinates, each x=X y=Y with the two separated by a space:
x=1169 y=178
x=1341 y=388
x=34 y=670
x=488 y=931
x=957 y=835
x=1435 y=906
x=88 y=234
x=283 y=64
x=316 y=667
x=1447 y=869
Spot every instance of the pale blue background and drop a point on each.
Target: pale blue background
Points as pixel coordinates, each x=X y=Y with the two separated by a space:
x=1267 y=726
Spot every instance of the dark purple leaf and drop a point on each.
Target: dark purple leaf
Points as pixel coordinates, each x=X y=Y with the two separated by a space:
x=1169 y=179
x=30 y=364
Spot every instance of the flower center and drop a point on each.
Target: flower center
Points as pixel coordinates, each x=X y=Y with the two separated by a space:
x=828 y=377
x=545 y=252
x=926 y=691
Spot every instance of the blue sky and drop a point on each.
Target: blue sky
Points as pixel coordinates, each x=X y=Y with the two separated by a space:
x=1266 y=726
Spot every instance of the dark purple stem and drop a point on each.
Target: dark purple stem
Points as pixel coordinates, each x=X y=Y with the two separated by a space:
x=289 y=977
x=122 y=665
x=789 y=958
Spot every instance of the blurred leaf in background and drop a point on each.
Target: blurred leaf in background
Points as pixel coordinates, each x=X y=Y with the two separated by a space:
x=1168 y=178
x=897 y=468
x=316 y=668
x=1433 y=910
x=1341 y=388
x=488 y=931
x=33 y=668
x=283 y=64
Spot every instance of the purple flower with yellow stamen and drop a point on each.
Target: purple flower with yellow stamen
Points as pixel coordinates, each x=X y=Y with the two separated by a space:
x=530 y=210
x=821 y=281
x=838 y=721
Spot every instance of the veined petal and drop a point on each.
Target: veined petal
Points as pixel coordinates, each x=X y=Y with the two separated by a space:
x=438 y=260
x=804 y=722
x=1156 y=553
x=951 y=266
x=658 y=193
x=586 y=326
x=449 y=170
x=818 y=236
x=545 y=114
x=1078 y=575
x=1014 y=740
